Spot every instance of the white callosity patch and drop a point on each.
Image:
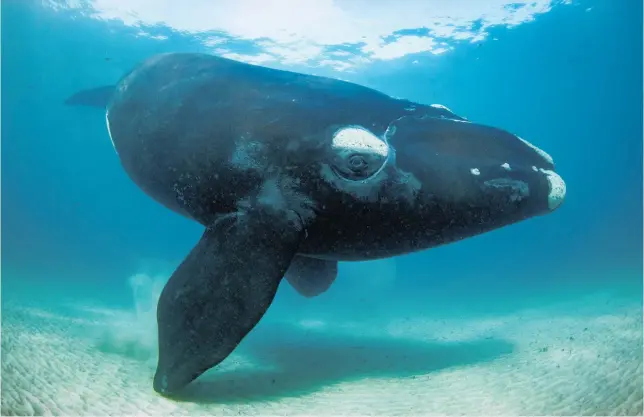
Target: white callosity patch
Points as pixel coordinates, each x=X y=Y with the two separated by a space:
x=358 y=140
x=557 y=192
x=542 y=153
x=475 y=171
x=109 y=132
x=506 y=166
x=440 y=106
x=448 y=113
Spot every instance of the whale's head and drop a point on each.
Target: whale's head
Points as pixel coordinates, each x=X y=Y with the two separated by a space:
x=432 y=180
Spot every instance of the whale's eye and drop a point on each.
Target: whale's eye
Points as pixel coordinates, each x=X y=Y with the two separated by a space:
x=357 y=163
x=358 y=153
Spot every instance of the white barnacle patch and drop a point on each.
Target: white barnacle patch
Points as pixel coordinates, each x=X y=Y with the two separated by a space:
x=557 y=192
x=475 y=171
x=541 y=153
x=440 y=106
x=534 y=168
x=506 y=166
x=355 y=139
x=109 y=132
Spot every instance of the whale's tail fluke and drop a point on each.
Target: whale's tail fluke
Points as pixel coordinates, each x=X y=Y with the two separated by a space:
x=94 y=97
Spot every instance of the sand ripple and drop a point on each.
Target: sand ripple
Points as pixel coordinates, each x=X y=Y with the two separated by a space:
x=562 y=361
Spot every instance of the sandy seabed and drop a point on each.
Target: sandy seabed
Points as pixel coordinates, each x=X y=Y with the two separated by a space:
x=572 y=358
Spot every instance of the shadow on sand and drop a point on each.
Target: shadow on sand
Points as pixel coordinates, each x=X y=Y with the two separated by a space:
x=303 y=361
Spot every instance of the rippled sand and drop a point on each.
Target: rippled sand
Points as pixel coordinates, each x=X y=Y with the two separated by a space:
x=575 y=358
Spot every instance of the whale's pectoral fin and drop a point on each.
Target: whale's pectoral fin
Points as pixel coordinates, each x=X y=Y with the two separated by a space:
x=220 y=291
x=95 y=97
x=310 y=276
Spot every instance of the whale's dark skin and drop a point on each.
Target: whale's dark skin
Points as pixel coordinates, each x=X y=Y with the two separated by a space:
x=291 y=173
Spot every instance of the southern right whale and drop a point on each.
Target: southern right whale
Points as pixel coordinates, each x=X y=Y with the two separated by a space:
x=289 y=174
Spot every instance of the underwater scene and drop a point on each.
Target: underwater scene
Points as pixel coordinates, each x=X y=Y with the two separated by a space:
x=321 y=207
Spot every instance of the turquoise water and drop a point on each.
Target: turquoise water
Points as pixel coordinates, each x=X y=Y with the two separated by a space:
x=542 y=317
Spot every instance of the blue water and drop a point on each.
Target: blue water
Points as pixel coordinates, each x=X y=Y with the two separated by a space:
x=75 y=227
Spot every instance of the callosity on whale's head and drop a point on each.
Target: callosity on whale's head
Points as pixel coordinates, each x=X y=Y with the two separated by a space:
x=432 y=180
